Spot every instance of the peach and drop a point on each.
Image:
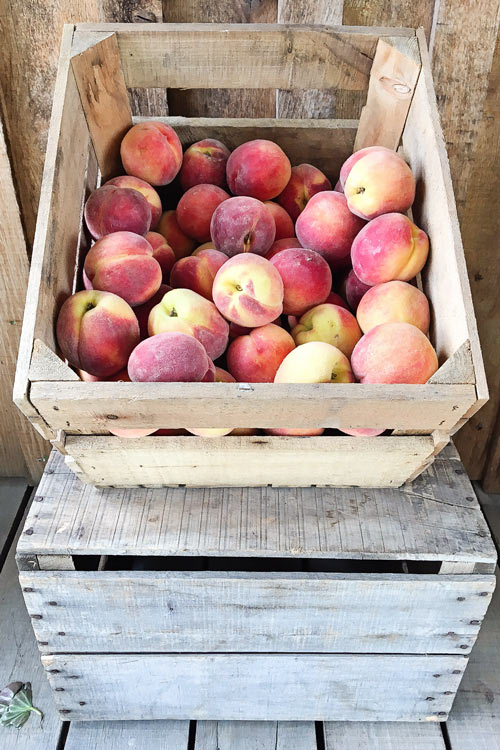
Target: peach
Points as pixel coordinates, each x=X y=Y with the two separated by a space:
x=331 y=324
x=87 y=284
x=123 y=263
x=280 y=245
x=152 y=151
x=205 y=246
x=120 y=376
x=152 y=197
x=197 y=272
x=305 y=181
x=362 y=432
x=393 y=302
x=255 y=358
x=210 y=431
x=113 y=209
x=142 y=311
x=351 y=161
x=209 y=376
x=282 y=221
x=332 y=299
x=389 y=247
x=355 y=289
x=315 y=362
x=204 y=163
x=294 y=431
x=188 y=312
x=244 y=431
x=338 y=187
x=195 y=210
x=171 y=357
x=128 y=432
x=162 y=252
x=248 y=290
x=306 y=276
x=242 y=225
x=394 y=353
x=259 y=169
x=223 y=376
x=327 y=226
x=96 y=332
x=181 y=244
x=379 y=183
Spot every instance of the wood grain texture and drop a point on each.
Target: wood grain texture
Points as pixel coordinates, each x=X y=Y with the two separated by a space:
x=475 y=720
x=20 y=660
x=255 y=735
x=436 y=518
x=382 y=736
x=104 y=99
x=389 y=13
x=278 y=687
x=11 y=498
x=221 y=102
x=256 y=612
x=26 y=455
x=117 y=735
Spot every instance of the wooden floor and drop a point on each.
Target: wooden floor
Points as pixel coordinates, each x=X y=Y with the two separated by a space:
x=474 y=723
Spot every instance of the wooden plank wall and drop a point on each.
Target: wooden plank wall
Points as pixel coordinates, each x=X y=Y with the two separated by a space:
x=463 y=38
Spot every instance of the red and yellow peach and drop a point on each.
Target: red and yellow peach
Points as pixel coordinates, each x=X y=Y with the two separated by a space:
x=162 y=253
x=305 y=181
x=204 y=163
x=315 y=362
x=306 y=276
x=152 y=151
x=198 y=271
x=282 y=221
x=380 y=182
x=329 y=323
x=170 y=357
x=145 y=189
x=255 y=358
x=259 y=169
x=114 y=209
x=242 y=225
x=195 y=210
x=393 y=302
x=181 y=244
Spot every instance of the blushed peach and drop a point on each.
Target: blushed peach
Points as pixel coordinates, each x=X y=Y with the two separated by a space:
x=393 y=302
x=294 y=431
x=282 y=221
x=279 y=245
x=327 y=226
x=129 y=432
x=195 y=210
x=120 y=376
x=353 y=158
x=389 y=247
x=305 y=181
x=329 y=323
x=162 y=253
x=151 y=151
x=355 y=289
x=181 y=244
x=242 y=225
x=244 y=431
x=394 y=353
x=123 y=263
x=338 y=187
x=204 y=163
x=315 y=362
x=223 y=376
x=210 y=431
x=197 y=272
x=248 y=290
x=170 y=357
x=379 y=183
x=142 y=311
x=306 y=276
x=185 y=311
x=87 y=284
x=362 y=432
x=152 y=197
x=96 y=332
x=335 y=299
x=255 y=358
x=205 y=246
x=112 y=209
x=259 y=169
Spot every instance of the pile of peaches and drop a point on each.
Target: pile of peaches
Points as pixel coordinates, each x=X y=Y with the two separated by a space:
x=262 y=273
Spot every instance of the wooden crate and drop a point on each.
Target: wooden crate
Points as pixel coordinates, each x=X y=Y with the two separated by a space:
x=90 y=115
x=269 y=604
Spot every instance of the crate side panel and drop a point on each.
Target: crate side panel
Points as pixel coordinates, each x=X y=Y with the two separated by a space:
x=255 y=612
x=437 y=517
x=265 y=687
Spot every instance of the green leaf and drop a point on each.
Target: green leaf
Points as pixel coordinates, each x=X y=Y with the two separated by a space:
x=20 y=708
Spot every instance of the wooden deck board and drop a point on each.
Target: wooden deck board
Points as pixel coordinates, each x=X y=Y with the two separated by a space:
x=12 y=493
x=382 y=735
x=435 y=518
x=255 y=735
x=118 y=735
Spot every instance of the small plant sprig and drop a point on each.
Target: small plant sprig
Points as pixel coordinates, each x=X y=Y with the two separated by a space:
x=16 y=705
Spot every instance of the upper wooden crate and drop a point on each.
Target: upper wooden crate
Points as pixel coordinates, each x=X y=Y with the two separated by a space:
x=91 y=113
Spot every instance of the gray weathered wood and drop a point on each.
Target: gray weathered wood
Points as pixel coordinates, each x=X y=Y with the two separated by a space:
x=20 y=660
x=262 y=687
x=382 y=736
x=118 y=735
x=474 y=723
x=11 y=496
x=436 y=518
x=256 y=612
x=255 y=735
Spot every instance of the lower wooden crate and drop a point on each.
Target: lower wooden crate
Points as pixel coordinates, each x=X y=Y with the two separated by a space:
x=257 y=603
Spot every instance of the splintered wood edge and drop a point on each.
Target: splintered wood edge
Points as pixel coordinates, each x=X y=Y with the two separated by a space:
x=458 y=369
x=393 y=78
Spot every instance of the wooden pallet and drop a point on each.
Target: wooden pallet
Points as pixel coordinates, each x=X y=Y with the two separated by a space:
x=271 y=604
x=77 y=415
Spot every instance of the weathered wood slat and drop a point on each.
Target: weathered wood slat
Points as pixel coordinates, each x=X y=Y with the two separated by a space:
x=255 y=687
x=382 y=736
x=436 y=518
x=118 y=735
x=256 y=612
x=474 y=723
x=255 y=735
x=12 y=493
